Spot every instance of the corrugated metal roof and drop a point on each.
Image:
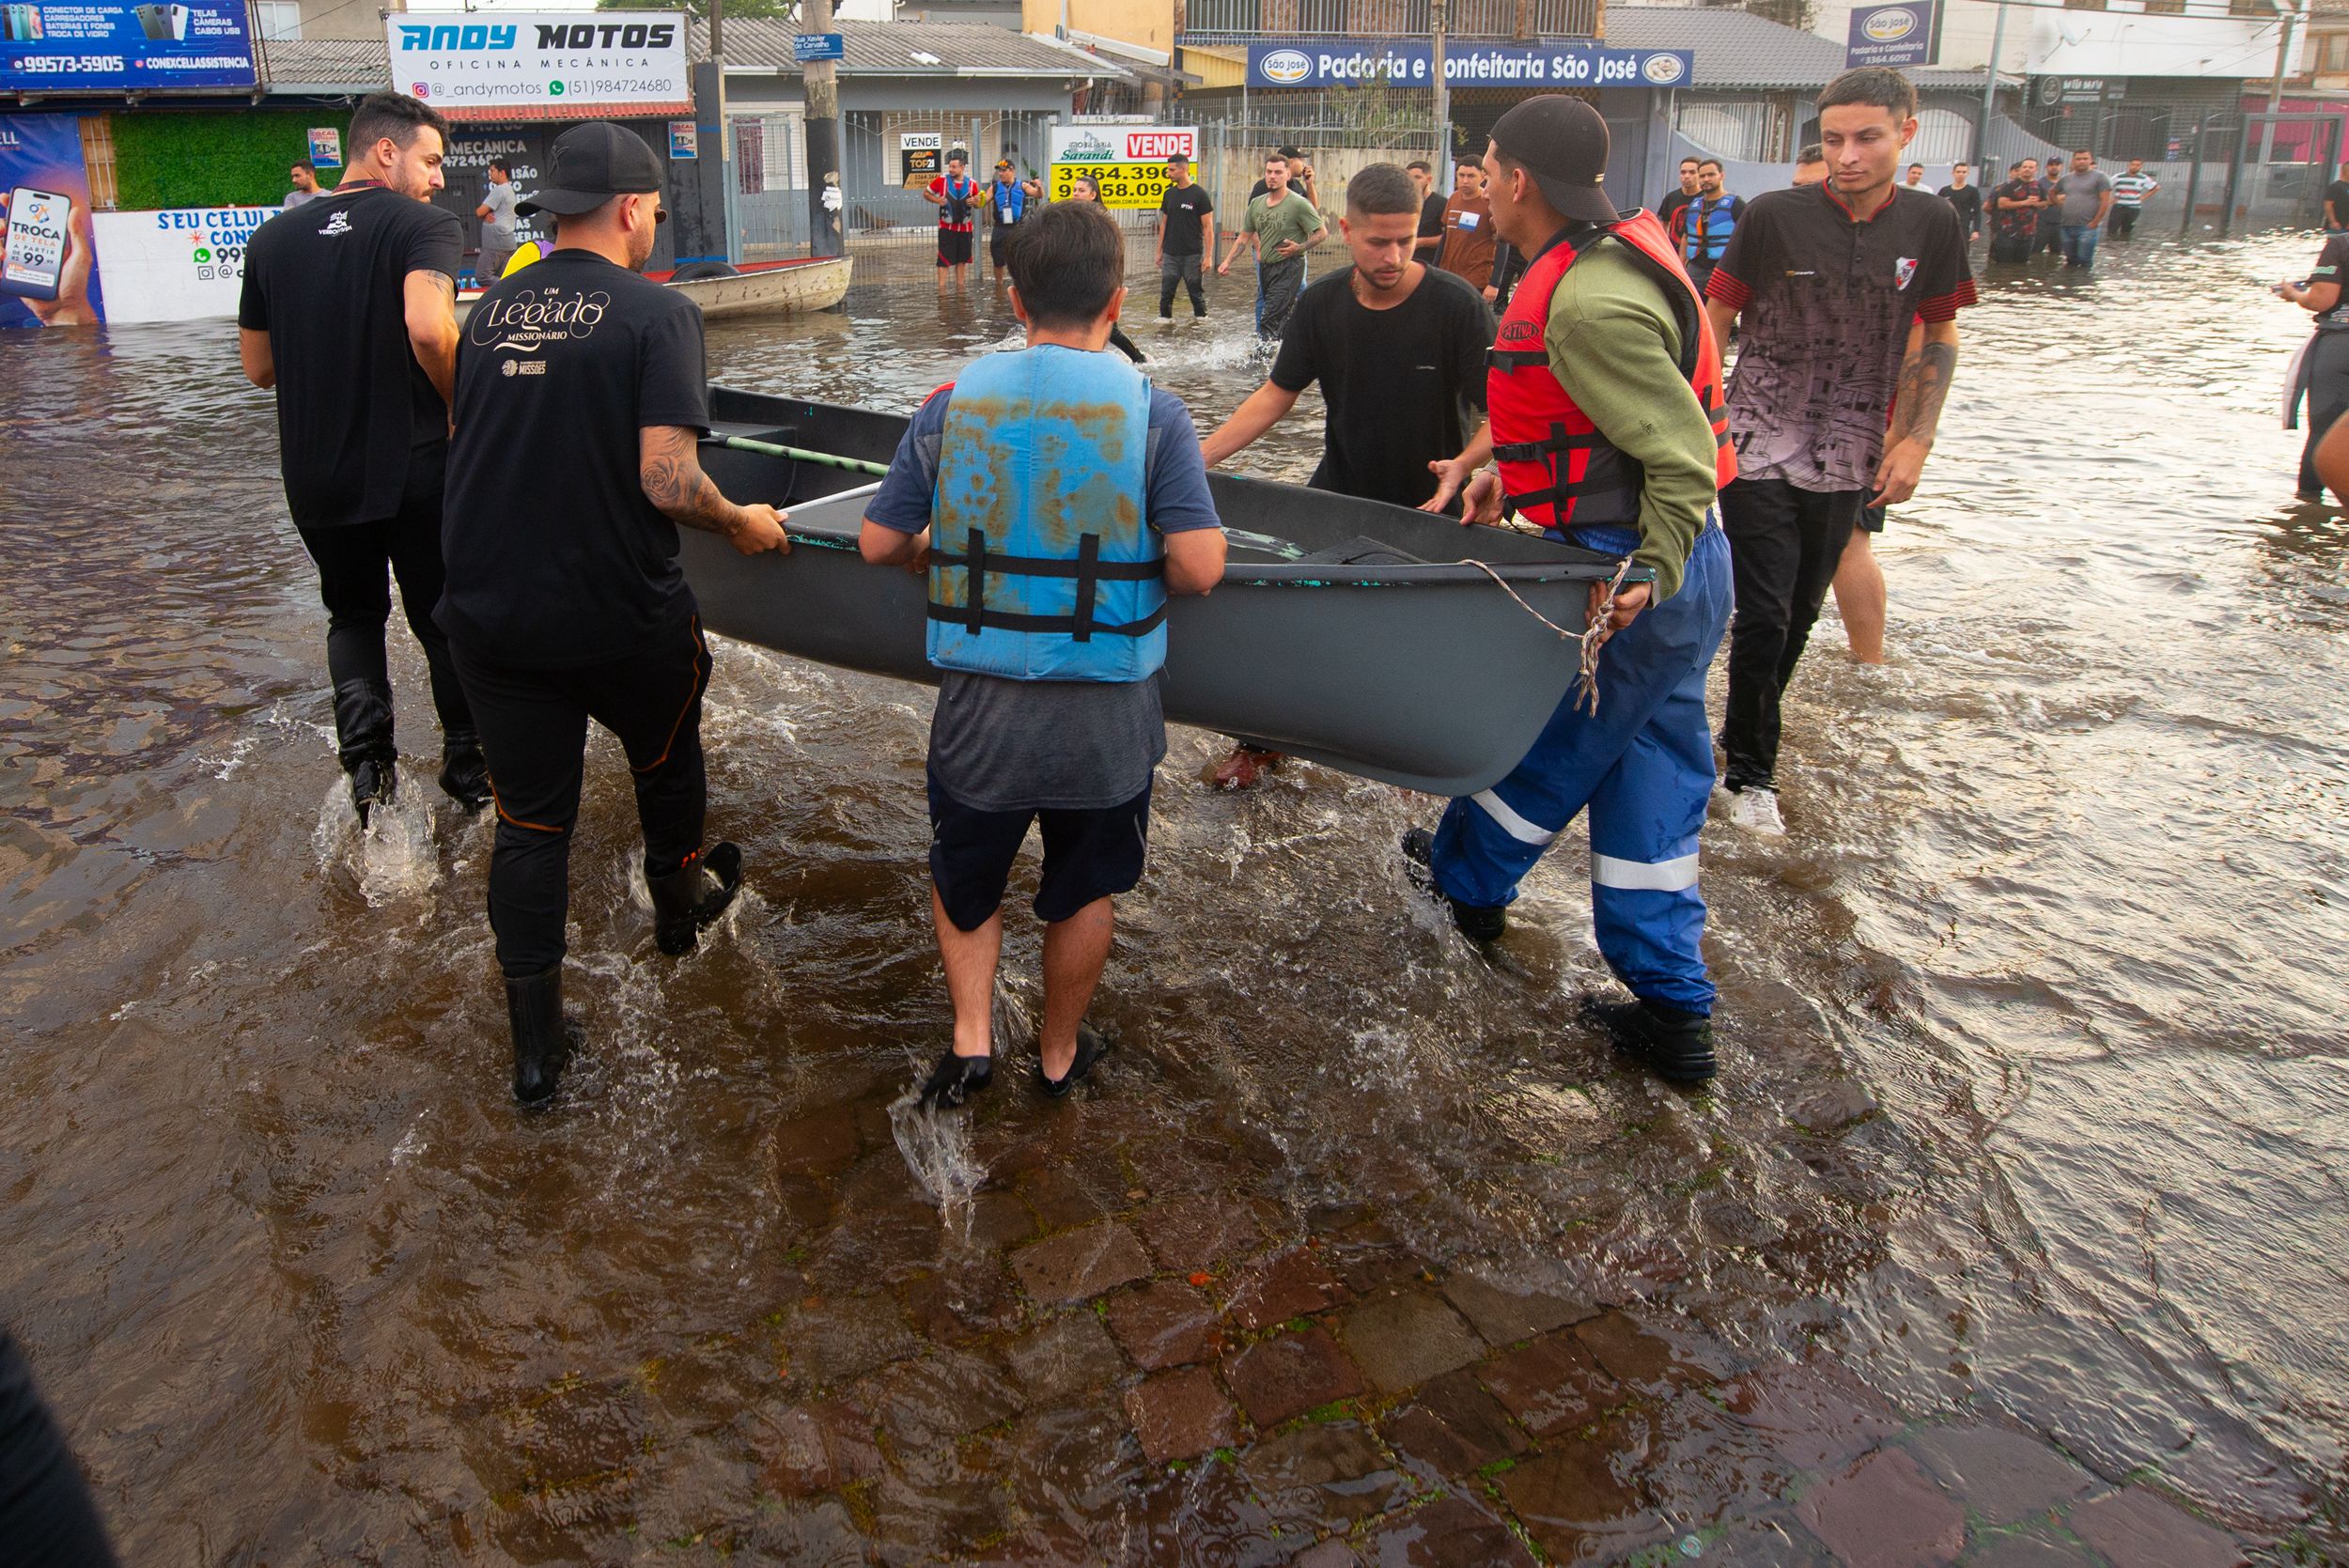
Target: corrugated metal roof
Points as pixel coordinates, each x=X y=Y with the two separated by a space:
x=915 y=49
x=326 y=62
x=1739 y=49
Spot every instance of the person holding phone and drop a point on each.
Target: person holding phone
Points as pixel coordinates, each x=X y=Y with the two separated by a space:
x=348 y=313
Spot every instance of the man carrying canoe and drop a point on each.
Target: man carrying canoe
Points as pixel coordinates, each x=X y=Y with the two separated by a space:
x=1604 y=405
x=1047 y=586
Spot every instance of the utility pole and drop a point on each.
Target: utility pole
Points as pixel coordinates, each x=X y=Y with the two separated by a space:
x=1443 y=97
x=1989 y=95
x=820 y=80
x=2276 y=90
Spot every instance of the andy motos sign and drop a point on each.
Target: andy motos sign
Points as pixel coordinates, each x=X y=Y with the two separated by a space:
x=603 y=58
x=1896 y=34
x=1409 y=62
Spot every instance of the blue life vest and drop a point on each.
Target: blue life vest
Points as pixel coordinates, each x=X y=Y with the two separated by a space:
x=1010 y=201
x=1042 y=564
x=1707 y=224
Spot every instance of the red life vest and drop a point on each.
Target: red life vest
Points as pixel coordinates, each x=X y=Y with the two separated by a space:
x=1556 y=468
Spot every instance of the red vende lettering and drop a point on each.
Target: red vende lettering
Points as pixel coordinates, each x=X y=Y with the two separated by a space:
x=1144 y=145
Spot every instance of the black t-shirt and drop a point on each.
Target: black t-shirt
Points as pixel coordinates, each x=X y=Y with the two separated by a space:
x=1396 y=383
x=1673 y=201
x=555 y=555
x=2333 y=266
x=1431 y=225
x=1183 y=208
x=1825 y=301
x=2337 y=194
x=2014 y=219
x=327 y=281
x=1968 y=201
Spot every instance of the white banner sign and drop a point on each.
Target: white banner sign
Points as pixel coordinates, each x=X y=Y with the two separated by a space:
x=174 y=266
x=497 y=58
x=1123 y=144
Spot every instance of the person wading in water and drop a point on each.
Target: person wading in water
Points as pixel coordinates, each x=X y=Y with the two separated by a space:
x=564 y=600
x=1399 y=349
x=1605 y=397
x=1047 y=586
x=1281 y=226
x=349 y=313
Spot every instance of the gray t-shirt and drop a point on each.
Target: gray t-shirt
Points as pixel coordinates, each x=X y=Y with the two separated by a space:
x=500 y=200
x=2083 y=194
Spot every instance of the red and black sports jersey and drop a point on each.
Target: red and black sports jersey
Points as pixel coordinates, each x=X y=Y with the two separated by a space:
x=1825 y=301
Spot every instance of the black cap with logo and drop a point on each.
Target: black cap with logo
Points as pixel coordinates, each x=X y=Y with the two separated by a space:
x=590 y=164
x=1562 y=141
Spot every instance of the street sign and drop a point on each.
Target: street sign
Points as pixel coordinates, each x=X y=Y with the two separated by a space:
x=818 y=46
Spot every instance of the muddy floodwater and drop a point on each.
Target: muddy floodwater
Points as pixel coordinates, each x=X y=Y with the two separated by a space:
x=2016 y=1228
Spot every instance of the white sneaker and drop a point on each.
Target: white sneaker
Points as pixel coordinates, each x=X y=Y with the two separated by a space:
x=1755 y=810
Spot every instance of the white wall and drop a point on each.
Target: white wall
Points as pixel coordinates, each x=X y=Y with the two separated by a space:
x=173 y=266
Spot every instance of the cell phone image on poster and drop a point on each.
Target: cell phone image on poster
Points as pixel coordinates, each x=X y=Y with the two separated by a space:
x=35 y=258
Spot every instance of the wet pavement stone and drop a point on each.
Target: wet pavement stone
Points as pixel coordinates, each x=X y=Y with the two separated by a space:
x=2136 y=1530
x=1283 y=1377
x=957 y=1305
x=1647 y=1361
x=1401 y=1338
x=1574 y=1504
x=818 y=1448
x=1332 y=1553
x=1506 y=1317
x=925 y=1404
x=1079 y=1264
x=1549 y=1384
x=1000 y=1219
x=1450 y=1533
x=1813 y=1415
x=2029 y=1551
x=1456 y=1427
x=821 y=1144
x=1165 y=1324
x=1885 y=1513
x=836 y=1340
x=2002 y=1476
x=1324 y=1475
x=1291 y=1284
x=1201 y=1233
x=1069 y=1356
x=1180 y=1415
x=1061 y=1198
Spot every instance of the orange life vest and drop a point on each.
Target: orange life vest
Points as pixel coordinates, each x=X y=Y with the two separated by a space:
x=1556 y=468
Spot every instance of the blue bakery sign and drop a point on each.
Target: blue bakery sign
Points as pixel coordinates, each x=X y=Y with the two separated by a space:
x=89 y=47
x=1897 y=34
x=1411 y=63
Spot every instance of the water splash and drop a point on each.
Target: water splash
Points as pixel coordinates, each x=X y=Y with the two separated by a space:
x=937 y=1149
x=392 y=858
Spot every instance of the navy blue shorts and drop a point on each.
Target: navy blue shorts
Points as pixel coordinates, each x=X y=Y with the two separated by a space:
x=1087 y=855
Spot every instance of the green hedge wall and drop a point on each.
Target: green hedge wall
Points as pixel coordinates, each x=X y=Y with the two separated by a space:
x=163 y=158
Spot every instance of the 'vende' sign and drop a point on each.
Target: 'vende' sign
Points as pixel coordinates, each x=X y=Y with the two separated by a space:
x=485 y=59
x=1123 y=144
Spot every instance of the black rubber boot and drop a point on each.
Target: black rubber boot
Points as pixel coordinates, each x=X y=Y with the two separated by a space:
x=1478 y=923
x=692 y=895
x=544 y=1039
x=362 y=738
x=1676 y=1047
x=955 y=1079
x=1091 y=1047
x=465 y=773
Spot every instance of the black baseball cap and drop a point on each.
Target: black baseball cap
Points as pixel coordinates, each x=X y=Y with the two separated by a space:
x=589 y=165
x=1562 y=141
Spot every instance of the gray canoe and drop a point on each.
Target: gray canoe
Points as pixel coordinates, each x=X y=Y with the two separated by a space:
x=1390 y=658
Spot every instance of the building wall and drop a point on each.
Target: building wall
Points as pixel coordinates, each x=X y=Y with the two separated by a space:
x=1149 y=24
x=2042 y=40
x=170 y=159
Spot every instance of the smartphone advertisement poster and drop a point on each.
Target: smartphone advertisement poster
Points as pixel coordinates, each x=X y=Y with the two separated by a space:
x=48 y=271
x=89 y=47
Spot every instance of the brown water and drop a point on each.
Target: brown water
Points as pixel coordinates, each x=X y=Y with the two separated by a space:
x=2034 y=1102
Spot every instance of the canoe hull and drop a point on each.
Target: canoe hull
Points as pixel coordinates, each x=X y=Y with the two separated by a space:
x=776 y=288
x=1431 y=677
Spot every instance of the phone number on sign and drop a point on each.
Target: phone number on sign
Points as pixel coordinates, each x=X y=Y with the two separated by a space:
x=1129 y=185
x=66 y=65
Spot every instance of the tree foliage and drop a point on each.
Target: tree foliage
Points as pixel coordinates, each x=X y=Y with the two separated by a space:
x=735 y=10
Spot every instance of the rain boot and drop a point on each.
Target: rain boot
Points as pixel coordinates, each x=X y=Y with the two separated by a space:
x=363 y=735
x=544 y=1039
x=692 y=895
x=1478 y=923
x=465 y=773
x=1676 y=1046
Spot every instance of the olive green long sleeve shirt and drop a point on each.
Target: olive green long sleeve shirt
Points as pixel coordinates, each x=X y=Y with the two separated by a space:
x=1615 y=347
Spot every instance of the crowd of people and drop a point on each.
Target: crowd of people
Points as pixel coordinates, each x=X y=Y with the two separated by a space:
x=1593 y=407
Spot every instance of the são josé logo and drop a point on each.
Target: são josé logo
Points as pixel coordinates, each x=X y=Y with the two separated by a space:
x=1287 y=65
x=1662 y=70
x=1891 y=24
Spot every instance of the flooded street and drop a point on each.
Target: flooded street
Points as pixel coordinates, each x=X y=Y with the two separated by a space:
x=2032 y=1128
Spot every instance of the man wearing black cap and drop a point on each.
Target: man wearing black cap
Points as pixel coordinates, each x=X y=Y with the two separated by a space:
x=1829 y=282
x=1604 y=401
x=580 y=393
x=348 y=312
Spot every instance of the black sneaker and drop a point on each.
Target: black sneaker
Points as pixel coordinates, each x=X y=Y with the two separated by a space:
x=1091 y=1047
x=1478 y=923
x=955 y=1079
x=1676 y=1047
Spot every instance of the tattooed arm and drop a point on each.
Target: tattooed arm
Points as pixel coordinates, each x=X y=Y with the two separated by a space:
x=671 y=471
x=429 y=300
x=1925 y=373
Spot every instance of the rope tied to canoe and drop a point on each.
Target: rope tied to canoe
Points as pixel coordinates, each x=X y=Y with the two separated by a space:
x=1593 y=638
